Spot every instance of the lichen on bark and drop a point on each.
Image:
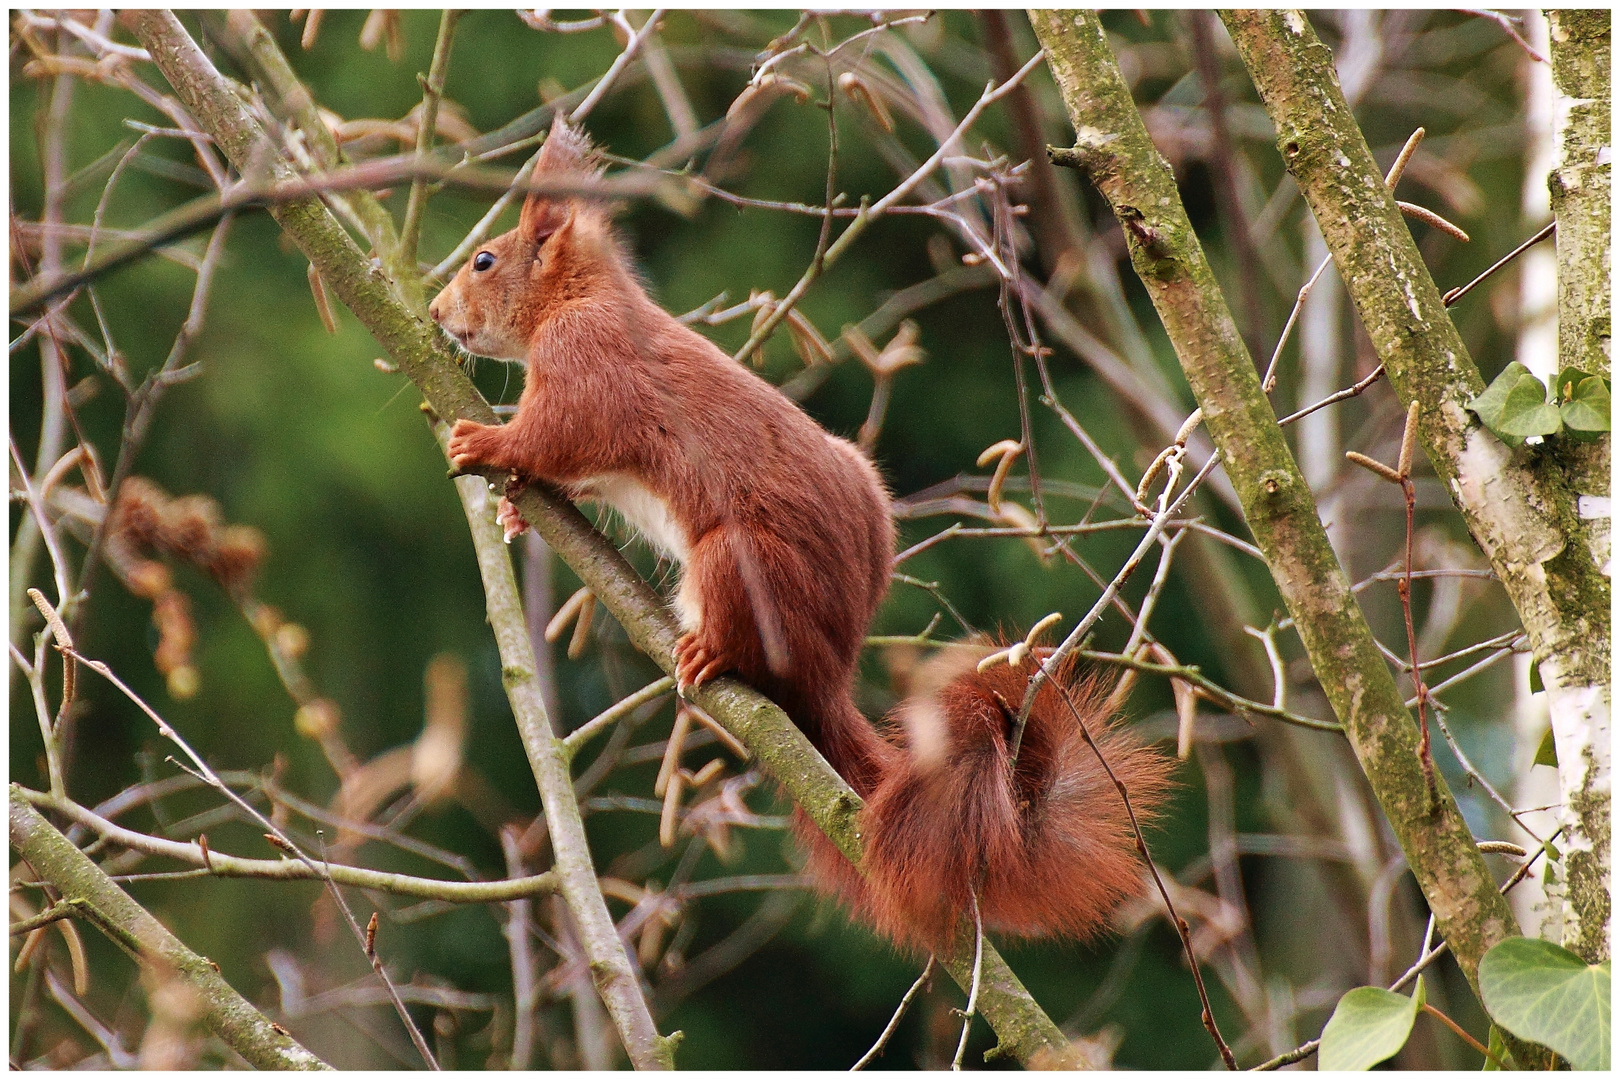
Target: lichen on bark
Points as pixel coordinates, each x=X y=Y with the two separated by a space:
x=1112 y=144
x=1521 y=506
x=1579 y=186
x=1023 y=1028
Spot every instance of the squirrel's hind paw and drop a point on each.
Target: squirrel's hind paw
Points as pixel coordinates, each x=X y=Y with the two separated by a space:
x=696 y=661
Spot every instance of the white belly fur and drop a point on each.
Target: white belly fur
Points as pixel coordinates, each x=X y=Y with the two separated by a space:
x=651 y=517
x=644 y=511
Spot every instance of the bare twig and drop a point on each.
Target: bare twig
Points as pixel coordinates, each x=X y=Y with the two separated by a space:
x=894 y=1021
x=580 y=735
x=432 y=92
x=973 y=989
x=620 y=62
x=818 y=261
x=1348 y=392
x=525 y=982
x=1167 y=510
x=271 y=830
x=992 y=94
x=220 y=864
x=1454 y=295
x=1506 y=23
x=1182 y=931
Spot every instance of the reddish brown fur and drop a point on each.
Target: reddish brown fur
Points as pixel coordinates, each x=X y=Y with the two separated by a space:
x=786 y=539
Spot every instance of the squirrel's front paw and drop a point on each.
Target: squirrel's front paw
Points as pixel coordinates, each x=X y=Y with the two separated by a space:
x=469 y=444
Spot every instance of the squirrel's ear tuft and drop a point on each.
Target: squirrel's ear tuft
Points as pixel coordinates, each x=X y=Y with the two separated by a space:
x=567 y=149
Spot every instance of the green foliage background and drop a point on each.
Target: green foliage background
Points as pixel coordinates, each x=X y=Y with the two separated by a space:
x=296 y=433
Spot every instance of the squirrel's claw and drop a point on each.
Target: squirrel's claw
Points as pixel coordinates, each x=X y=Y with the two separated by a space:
x=509 y=519
x=696 y=663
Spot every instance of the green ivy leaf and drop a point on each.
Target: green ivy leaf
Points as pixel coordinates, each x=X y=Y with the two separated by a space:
x=1488 y=406
x=1568 y=379
x=1369 y=1025
x=1525 y=411
x=1588 y=407
x=1546 y=994
x=1536 y=685
x=1498 y=1052
x=1547 y=751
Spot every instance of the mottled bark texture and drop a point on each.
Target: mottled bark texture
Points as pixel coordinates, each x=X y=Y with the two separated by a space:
x=1024 y=1031
x=616 y=977
x=416 y=346
x=1521 y=506
x=1112 y=145
x=1579 y=186
x=97 y=899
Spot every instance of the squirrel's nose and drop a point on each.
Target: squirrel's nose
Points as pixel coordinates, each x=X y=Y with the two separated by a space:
x=433 y=311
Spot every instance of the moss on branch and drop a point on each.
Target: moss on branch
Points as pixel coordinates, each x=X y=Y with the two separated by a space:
x=1519 y=505
x=1113 y=145
x=419 y=350
x=82 y=884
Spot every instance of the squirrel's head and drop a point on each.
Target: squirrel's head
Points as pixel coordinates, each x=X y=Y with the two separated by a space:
x=499 y=296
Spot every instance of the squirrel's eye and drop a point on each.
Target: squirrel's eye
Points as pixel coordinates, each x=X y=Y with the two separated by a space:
x=483 y=261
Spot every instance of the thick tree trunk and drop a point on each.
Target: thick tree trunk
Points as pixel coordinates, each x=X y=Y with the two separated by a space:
x=1113 y=146
x=1522 y=506
x=1579 y=699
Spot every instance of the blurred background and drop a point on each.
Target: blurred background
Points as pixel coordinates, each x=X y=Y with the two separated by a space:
x=1292 y=882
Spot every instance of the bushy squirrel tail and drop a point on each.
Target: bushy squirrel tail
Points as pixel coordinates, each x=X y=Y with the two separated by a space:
x=1048 y=845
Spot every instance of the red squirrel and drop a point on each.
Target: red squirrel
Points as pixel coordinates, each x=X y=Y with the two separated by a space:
x=785 y=539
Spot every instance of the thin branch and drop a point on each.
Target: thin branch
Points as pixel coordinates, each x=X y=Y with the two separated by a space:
x=1506 y=23
x=525 y=983
x=36 y=506
x=1208 y=1014
x=290 y=188
x=973 y=989
x=611 y=969
x=894 y=1021
x=1348 y=392
x=141 y=406
x=868 y=214
x=280 y=839
x=818 y=261
x=220 y=864
x=80 y=881
x=1167 y=511
x=620 y=62
x=1454 y=295
x=586 y=731
x=432 y=91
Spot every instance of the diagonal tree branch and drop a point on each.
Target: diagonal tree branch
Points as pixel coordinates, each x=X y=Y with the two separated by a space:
x=1113 y=146
x=97 y=898
x=1520 y=506
x=415 y=347
x=617 y=979
x=419 y=351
